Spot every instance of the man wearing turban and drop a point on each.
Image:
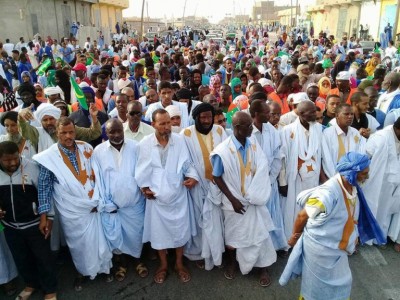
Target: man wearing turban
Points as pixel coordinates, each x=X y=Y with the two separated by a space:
x=201 y=139
x=327 y=229
x=42 y=137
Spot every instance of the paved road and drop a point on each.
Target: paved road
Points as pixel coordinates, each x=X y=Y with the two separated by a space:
x=376 y=275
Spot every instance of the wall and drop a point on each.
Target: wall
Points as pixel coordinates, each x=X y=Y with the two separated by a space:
x=54 y=17
x=370 y=14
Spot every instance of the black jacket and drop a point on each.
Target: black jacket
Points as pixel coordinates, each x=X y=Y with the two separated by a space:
x=19 y=195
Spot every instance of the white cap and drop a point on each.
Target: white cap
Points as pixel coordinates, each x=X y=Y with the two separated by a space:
x=123 y=82
x=297 y=98
x=264 y=81
x=344 y=75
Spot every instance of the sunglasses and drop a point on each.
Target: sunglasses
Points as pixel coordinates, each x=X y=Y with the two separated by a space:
x=135 y=113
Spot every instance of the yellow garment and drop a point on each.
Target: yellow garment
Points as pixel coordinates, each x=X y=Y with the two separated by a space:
x=316 y=203
x=371 y=66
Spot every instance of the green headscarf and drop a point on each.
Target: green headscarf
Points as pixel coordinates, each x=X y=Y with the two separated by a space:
x=234 y=82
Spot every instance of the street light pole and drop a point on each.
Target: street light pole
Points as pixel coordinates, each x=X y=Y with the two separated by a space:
x=141 y=23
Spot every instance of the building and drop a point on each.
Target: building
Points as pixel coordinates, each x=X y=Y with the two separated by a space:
x=21 y=18
x=267 y=12
x=348 y=17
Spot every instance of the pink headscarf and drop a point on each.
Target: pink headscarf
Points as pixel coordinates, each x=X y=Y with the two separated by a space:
x=213 y=81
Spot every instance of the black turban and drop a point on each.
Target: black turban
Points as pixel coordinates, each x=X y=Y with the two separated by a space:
x=202 y=107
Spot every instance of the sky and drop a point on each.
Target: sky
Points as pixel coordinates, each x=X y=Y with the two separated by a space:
x=214 y=10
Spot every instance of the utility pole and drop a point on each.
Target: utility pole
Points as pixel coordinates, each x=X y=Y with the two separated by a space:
x=291 y=14
x=396 y=23
x=183 y=16
x=141 y=23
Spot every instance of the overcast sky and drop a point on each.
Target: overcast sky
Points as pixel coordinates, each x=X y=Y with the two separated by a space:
x=216 y=9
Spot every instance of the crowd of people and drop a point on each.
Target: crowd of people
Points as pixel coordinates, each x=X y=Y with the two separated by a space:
x=227 y=154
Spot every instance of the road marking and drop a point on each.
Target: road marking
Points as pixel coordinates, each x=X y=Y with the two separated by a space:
x=373 y=256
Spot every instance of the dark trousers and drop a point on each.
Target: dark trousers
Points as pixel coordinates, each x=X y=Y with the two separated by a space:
x=33 y=258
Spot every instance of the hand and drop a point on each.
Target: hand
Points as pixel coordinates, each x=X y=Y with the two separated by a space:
x=27 y=113
x=45 y=226
x=93 y=110
x=189 y=182
x=293 y=239
x=2 y=213
x=148 y=193
x=237 y=206
x=365 y=132
x=283 y=190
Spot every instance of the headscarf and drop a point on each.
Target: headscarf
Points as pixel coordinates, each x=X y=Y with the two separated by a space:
x=213 y=80
x=40 y=98
x=27 y=74
x=46 y=109
x=322 y=90
x=303 y=77
x=364 y=84
x=89 y=90
x=235 y=82
x=371 y=66
x=202 y=107
x=349 y=166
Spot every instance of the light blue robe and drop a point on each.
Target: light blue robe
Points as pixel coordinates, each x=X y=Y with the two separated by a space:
x=316 y=256
x=118 y=191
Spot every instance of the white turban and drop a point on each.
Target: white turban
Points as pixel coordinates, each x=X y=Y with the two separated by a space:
x=47 y=109
x=53 y=90
x=173 y=111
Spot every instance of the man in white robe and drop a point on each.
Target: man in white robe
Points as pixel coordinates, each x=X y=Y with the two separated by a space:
x=164 y=174
x=165 y=91
x=301 y=163
x=201 y=139
x=325 y=232
x=122 y=215
x=340 y=138
x=269 y=140
x=42 y=138
x=240 y=170
x=66 y=175
x=382 y=190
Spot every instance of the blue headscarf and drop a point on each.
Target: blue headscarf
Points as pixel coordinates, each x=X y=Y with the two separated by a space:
x=349 y=166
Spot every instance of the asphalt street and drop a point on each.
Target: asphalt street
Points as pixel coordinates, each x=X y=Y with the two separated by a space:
x=376 y=274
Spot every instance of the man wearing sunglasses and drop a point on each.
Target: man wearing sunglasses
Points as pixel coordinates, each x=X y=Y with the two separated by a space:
x=134 y=128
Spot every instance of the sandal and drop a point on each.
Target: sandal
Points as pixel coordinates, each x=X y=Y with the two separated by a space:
x=142 y=270
x=9 y=288
x=120 y=274
x=230 y=272
x=265 y=280
x=183 y=275
x=200 y=264
x=160 y=276
x=78 y=282
x=396 y=247
x=109 y=278
x=24 y=295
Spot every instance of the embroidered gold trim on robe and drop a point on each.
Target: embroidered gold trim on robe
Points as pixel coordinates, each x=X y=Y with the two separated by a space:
x=348 y=227
x=206 y=155
x=244 y=171
x=82 y=175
